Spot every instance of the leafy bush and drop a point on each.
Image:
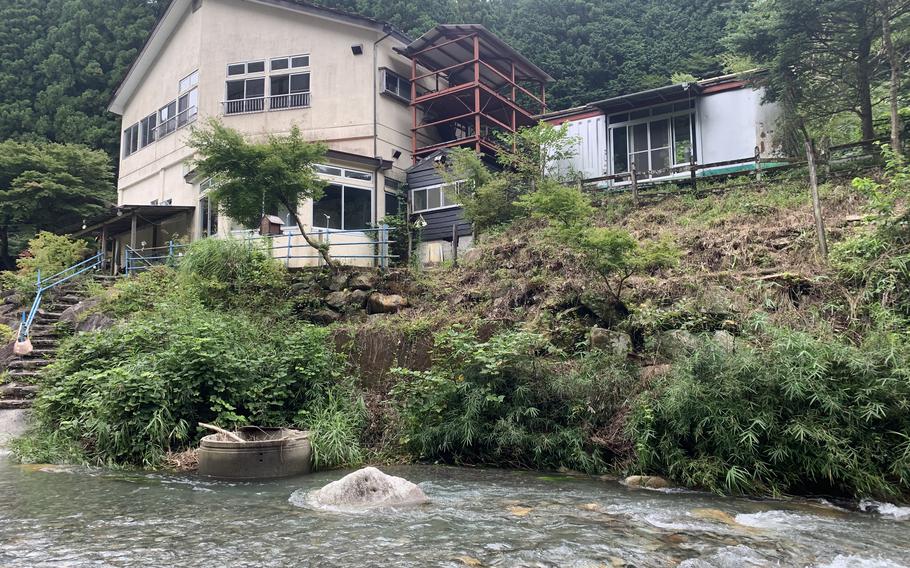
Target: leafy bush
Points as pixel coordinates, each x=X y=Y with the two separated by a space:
x=129 y=394
x=500 y=402
x=46 y=252
x=233 y=273
x=6 y=334
x=612 y=254
x=796 y=414
x=50 y=254
x=141 y=292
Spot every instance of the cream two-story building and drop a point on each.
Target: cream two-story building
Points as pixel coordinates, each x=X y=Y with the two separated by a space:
x=261 y=67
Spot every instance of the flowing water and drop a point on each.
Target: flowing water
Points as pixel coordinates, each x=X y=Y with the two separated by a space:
x=63 y=516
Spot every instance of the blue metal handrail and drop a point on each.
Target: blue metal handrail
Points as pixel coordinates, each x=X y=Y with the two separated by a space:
x=28 y=318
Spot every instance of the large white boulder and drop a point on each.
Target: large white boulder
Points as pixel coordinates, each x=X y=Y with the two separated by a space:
x=366 y=488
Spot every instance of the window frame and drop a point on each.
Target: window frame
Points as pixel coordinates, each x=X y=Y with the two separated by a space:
x=400 y=79
x=246 y=68
x=130 y=140
x=443 y=197
x=344 y=188
x=148 y=134
x=629 y=123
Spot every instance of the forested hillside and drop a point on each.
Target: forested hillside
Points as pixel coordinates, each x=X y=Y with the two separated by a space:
x=62 y=59
x=829 y=62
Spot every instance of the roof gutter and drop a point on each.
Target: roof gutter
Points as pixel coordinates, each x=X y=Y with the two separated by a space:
x=375 y=70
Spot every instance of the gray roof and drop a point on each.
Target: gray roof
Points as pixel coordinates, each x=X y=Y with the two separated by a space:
x=458 y=53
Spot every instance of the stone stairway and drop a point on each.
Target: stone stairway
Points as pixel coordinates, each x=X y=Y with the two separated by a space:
x=22 y=370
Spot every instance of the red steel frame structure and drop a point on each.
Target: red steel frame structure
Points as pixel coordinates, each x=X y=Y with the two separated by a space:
x=467 y=83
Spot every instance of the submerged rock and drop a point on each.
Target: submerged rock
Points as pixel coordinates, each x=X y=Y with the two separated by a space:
x=368 y=487
x=647 y=481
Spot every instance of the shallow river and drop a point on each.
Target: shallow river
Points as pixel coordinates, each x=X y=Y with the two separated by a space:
x=58 y=516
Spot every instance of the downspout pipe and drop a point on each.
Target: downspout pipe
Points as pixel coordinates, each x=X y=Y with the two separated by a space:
x=388 y=31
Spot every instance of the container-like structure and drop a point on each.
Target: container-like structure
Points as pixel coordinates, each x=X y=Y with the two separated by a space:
x=264 y=453
x=466 y=83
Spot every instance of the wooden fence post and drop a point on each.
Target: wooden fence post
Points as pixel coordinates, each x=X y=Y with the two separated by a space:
x=816 y=204
x=454 y=244
x=757 y=165
x=693 y=169
x=634 y=185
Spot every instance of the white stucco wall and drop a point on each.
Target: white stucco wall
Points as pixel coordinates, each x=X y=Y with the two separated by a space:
x=343 y=90
x=732 y=123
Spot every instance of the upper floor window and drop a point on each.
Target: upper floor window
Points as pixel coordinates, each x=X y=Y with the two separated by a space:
x=288 y=83
x=131 y=140
x=188 y=82
x=395 y=85
x=245 y=68
x=147 y=129
x=178 y=112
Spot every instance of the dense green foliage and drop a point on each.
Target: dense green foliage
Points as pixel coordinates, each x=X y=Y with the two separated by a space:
x=793 y=414
x=48 y=187
x=504 y=401
x=594 y=49
x=823 y=60
x=62 y=60
x=234 y=273
x=47 y=254
x=193 y=347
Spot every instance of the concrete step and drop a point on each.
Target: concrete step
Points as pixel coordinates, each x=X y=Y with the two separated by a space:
x=42 y=330
x=17 y=391
x=15 y=403
x=39 y=353
x=26 y=364
x=44 y=343
x=23 y=375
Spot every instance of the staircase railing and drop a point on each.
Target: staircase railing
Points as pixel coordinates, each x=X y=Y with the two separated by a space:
x=28 y=318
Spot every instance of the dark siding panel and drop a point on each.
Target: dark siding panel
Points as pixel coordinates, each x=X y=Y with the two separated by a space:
x=424 y=178
x=439 y=224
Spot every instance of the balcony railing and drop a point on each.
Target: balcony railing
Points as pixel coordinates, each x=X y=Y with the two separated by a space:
x=294 y=100
x=261 y=104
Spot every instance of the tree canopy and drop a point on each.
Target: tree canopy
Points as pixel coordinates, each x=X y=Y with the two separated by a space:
x=252 y=178
x=47 y=186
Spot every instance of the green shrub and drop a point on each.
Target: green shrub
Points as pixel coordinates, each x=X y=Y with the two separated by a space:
x=141 y=292
x=234 y=273
x=50 y=254
x=501 y=402
x=795 y=414
x=129 y=394
x=6 y=334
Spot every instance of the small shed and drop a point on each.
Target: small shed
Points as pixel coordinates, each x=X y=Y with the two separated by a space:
x=270 y=225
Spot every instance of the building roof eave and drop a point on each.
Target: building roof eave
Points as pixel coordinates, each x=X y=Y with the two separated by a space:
x=178 y=9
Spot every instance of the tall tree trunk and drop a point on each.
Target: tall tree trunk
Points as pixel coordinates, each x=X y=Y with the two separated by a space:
x=894 y=89
x=863 y=88
x=321 y=247
x=6 y=263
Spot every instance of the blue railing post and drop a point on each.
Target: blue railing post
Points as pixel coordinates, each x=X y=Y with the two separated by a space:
x=170 y=250
x=287 y=254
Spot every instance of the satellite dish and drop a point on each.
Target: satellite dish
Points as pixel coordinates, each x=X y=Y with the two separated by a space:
x=420 y=223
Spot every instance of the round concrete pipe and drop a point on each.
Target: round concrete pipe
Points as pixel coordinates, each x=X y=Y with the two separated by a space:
x=265 y=453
